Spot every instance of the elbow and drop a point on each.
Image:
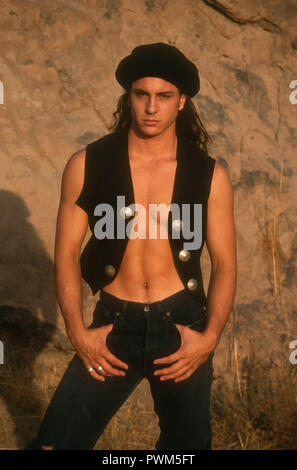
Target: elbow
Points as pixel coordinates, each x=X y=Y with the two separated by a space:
x=64 y=260
x=226 y=265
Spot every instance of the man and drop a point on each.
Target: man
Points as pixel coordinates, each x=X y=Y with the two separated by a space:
x=152 y=319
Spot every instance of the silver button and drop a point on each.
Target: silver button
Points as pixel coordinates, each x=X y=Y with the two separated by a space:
x=109 y=270
x=184 y=255
x=192 y=284
x=118 y=314
x=168 y=314
x=146 y=308
x=177 y=225
x=126 y=212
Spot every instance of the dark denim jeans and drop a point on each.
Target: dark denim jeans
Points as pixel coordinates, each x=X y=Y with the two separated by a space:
x=82 y=406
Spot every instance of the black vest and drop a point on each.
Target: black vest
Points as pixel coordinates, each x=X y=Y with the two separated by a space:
x=108 y=174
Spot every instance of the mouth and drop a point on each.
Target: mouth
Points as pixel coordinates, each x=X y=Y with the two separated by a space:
x=150 y=122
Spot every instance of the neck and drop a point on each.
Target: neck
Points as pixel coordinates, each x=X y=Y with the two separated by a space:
x=156 y=146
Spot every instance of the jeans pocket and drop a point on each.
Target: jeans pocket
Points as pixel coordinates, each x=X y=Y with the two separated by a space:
x=193 y=318
x=197 y=325
x=103 y=316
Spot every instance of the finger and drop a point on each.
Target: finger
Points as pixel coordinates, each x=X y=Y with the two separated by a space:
x=171 y=358
x=169 y=370
x=107 y=368
x=113 y=359
x=189 y=362
x=95 y=374
x=175 y=374
x=190 y=371
x=92 y=372
x=101 y=370
x=186 y=375
x=179 y=368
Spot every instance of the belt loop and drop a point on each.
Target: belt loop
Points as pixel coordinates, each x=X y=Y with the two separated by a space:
x=125 y=305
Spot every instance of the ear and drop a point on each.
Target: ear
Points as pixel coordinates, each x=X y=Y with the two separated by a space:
x=182 y=101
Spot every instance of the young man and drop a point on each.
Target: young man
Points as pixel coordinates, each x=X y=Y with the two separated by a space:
x=152 y=319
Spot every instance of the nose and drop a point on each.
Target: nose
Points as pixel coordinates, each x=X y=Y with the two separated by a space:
x=151 y=105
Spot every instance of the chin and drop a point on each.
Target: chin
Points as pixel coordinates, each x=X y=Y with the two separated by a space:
x=150 y=130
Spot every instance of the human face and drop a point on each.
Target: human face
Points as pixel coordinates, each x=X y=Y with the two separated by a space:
x=156 y=100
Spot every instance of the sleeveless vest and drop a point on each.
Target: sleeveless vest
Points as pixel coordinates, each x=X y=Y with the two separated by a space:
x=108 y=175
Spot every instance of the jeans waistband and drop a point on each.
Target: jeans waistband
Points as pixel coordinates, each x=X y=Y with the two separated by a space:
x=173 y=302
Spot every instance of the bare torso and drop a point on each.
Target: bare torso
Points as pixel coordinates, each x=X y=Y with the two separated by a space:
x=147 y=272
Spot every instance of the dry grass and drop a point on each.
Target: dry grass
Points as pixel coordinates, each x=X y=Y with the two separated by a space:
x=253 y=405
x=257 y=407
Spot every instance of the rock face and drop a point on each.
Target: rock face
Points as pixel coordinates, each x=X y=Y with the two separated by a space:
x=57 y=64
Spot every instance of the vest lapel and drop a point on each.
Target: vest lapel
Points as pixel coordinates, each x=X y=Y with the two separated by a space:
x=124 y=176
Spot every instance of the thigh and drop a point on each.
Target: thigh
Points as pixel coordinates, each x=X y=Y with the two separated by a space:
x=183 y=407
x=82 y=406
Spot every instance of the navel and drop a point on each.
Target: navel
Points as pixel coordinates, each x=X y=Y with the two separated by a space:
x=145 y=284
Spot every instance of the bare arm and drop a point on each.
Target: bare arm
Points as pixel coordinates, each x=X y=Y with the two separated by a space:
x=72 y=223
x=221 y=244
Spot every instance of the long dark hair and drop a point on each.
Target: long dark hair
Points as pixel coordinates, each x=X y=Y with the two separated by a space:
x=188 y=122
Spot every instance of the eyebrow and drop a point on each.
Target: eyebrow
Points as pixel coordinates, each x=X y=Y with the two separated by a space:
x=160 y=93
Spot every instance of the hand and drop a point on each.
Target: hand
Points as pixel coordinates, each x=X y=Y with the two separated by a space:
x=194 y=350
x=90 y=345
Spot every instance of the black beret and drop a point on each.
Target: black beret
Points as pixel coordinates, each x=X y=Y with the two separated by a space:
x=159 y=60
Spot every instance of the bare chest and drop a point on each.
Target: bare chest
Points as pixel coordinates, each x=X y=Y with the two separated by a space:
x=153 y=182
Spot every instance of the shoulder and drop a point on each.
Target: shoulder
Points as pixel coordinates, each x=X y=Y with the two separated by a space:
x=220 y=174
x=75 y=163
x=73 y=175
x=104 y=142
x=199 y=157
x=78 y=160
x=206 y=158
x=221 y=185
